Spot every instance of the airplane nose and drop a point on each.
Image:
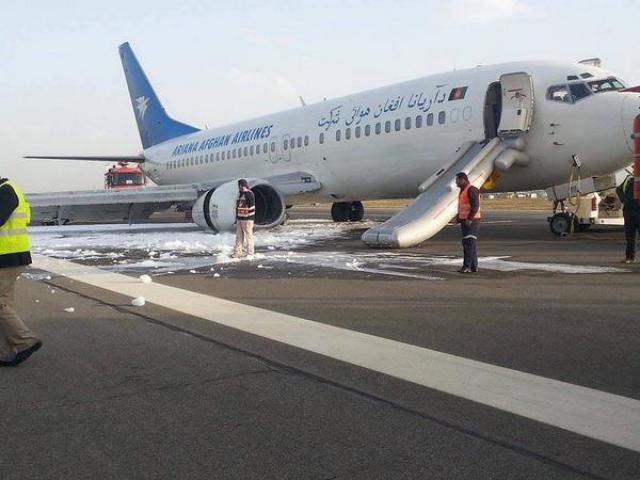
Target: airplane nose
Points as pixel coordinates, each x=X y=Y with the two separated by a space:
x=630 y=110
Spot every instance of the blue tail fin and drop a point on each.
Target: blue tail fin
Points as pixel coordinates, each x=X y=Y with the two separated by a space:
x=154 y=125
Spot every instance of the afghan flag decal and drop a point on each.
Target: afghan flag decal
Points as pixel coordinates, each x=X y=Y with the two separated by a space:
x=458 y=93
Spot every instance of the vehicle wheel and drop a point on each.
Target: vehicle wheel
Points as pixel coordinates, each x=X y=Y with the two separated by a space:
x=560 y=223
x=356 y=214
x=340 y=211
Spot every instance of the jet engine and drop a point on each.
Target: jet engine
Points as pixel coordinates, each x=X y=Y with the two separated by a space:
x=216 y=209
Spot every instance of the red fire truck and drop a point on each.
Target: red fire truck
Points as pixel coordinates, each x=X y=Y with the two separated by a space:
x=124 y=175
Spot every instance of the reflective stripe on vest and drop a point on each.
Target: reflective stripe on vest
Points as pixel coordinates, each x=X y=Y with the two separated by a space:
x=13 y=234
x=464 y=206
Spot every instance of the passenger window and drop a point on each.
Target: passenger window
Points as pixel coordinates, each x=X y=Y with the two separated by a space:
x=258 y=149
x=234 y=153
x=419 y=121
x=338 y=134
x=246 y=151
x=387 y=126
x=442 y=117
x=293 y=143
x=299 y=142
x=407 y=123
x=430 y=119
x=559 y=93
x=251 y=150
x=347 y=133
x=398 y=125
x=240 y=152
x=273 y=147
x=378 y=128
x=367 y=130
x=579 y=91
x=218 y=157
x=265 y=148
x=223 y=155
x=285 y=144
x=358 y=132
x=306 y=140
x=321 y=139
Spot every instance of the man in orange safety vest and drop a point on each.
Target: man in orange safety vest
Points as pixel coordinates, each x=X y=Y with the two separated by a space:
x=469 y=219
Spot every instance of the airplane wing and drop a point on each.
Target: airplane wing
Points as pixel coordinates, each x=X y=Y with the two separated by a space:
x=134 y=205
x=120 y=158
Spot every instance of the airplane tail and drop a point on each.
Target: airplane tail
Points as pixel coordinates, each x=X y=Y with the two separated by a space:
x=154 y=125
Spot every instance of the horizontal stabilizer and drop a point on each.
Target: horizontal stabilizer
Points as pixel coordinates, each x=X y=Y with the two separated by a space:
x=119 y=158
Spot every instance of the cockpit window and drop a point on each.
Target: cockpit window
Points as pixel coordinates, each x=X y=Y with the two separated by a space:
x=559 y=93
x=579 y=91
x=609 y=85
x=568 y=93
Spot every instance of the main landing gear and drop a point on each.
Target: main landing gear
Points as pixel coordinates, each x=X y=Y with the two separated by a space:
x=347 y=211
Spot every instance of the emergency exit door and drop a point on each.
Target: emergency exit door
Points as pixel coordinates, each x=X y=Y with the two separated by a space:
x=517 y=104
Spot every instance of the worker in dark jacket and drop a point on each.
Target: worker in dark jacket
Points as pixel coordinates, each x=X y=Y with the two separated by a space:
x=631 y=213
x=245 y=216
x=15 y=214
x=469 y=219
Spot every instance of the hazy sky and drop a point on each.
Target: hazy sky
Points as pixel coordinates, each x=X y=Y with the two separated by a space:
x=62 y=90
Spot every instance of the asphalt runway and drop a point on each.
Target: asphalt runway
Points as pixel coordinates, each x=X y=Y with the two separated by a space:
x=184 y=387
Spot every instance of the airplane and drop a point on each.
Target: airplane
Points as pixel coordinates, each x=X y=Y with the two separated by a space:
x=510 y=127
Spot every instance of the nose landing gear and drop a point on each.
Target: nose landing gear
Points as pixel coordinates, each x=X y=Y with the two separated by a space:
x=347 y=211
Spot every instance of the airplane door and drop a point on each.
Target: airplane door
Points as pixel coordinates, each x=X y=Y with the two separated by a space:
x=285 y=154
x=517 y=104
x=273 y=149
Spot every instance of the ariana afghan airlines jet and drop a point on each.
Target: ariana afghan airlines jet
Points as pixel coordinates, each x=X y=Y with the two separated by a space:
x=513 y=126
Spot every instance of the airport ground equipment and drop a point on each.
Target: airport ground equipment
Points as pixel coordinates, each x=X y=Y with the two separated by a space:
x=602 y=208
x=124 y=175
x=587 y=202
x=430 y=211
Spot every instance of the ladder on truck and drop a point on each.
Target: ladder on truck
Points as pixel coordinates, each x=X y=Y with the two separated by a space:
x=430 y=211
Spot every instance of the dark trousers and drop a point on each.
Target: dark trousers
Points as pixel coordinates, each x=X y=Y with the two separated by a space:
x=469 y=237
x=631 y=227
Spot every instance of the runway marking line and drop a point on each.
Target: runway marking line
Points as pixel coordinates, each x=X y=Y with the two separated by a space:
x=599 y=415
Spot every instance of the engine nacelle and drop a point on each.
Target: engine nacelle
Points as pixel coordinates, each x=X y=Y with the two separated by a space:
x=216 y=209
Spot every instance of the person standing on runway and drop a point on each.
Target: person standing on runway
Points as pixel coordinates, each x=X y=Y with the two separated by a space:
x=631 y=213
x=469 y=219
x=245 y=216
x=19 y=343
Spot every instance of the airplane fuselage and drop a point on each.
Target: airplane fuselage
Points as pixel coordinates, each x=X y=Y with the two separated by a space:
x=384 y=143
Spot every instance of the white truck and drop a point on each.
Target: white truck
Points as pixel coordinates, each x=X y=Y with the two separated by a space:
x=581 y=204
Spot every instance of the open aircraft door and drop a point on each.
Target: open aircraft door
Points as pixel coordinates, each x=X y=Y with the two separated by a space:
x=517 y=104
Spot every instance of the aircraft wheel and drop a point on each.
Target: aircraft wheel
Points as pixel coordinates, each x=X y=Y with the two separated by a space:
x=340 y=211
x=356 y=214
x=560 y=224
x=285 y=219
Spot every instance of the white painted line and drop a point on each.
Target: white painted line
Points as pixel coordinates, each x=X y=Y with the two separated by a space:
x=592 y=413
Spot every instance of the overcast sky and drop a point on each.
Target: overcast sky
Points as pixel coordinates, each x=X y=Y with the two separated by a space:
x=62 y=90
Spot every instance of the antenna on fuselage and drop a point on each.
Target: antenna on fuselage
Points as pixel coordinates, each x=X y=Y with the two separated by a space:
x=594 y=62
x=304 y=104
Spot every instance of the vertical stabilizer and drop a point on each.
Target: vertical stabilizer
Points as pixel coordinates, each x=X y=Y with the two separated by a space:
x=154 y=125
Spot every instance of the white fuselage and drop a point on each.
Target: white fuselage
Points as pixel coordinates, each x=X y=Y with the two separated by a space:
x=393 y=164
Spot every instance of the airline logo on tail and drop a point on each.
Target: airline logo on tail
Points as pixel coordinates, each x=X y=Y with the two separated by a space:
x=141 y=106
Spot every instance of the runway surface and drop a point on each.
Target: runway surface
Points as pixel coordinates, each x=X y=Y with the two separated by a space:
x=323 y=359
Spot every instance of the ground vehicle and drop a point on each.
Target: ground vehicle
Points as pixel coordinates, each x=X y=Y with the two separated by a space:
x=592 y=209
x=123 y=176
x=588 y=202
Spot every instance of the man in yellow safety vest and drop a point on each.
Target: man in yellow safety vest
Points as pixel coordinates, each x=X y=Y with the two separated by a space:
x=469 y=219
x=15 y=214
